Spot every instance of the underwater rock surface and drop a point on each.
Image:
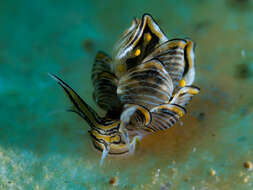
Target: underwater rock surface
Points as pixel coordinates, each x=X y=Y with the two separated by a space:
x=42 y=147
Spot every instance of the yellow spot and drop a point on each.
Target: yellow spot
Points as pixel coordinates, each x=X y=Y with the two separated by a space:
x=182 y=83
x=121 y=67
x=147 y=37
x=246 y=179
x=137 y=52
x=193 y=91
x=212 y=172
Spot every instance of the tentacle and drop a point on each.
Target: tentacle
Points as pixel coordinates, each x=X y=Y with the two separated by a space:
x=135 y=116
x=133 y=123
x=104 y=154
x=135 y=141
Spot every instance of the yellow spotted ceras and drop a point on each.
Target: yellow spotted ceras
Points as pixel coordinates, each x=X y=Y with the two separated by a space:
x=143 y=89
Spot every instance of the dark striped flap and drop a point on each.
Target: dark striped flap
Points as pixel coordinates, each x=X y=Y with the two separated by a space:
x=177 y=55
x=105 y=83
x=148 y=85
x=165 y=116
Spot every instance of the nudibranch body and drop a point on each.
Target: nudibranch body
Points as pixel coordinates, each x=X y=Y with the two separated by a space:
x=143 y=89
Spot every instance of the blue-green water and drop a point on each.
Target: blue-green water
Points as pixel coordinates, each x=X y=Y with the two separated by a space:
x=44 y=147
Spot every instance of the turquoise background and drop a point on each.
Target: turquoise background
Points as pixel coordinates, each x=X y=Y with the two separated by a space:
x=44 y=147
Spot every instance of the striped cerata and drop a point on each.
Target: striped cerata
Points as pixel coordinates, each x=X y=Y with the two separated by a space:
x=144 y=88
